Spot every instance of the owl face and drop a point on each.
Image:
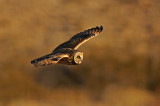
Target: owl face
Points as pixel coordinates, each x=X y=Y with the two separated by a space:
x=78 y=57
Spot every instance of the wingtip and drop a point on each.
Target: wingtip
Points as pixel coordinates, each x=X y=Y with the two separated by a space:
x=101 y=28
x=33 y=61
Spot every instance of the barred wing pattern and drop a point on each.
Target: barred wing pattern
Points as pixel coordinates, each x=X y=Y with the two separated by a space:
x=48 y=59
x=80 y=38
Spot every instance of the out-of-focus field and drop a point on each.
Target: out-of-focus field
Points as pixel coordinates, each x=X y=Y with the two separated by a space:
x=121 y=66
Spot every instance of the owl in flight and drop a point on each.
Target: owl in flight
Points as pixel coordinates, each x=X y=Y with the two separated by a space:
x=67 y=53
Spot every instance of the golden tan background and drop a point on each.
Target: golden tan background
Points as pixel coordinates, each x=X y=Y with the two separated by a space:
x=121 y=66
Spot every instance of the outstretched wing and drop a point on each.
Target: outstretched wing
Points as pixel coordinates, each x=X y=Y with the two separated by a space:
x=80 y=38
x=48 y=59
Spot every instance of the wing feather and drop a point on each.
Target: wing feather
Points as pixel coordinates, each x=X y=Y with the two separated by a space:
x=48 y=59
x=80 y=38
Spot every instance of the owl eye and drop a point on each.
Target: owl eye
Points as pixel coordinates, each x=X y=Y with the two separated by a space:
x=78 y=57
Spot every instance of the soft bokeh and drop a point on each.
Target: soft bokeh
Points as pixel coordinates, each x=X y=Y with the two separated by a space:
x=121 y=66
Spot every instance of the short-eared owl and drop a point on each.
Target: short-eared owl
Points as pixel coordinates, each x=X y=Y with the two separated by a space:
x=67 y=53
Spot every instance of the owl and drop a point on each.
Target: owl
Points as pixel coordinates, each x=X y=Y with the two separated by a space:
x=67 y=53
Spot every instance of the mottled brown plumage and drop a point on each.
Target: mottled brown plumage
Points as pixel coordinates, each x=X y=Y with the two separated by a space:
x=66 y=52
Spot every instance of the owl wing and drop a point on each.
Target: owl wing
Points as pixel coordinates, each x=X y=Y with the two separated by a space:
x=80 y=38
x=48 y=59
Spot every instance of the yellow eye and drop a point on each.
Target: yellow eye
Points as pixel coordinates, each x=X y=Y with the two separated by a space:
x=78 y=57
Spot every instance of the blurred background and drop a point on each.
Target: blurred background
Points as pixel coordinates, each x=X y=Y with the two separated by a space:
x=121 y=66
